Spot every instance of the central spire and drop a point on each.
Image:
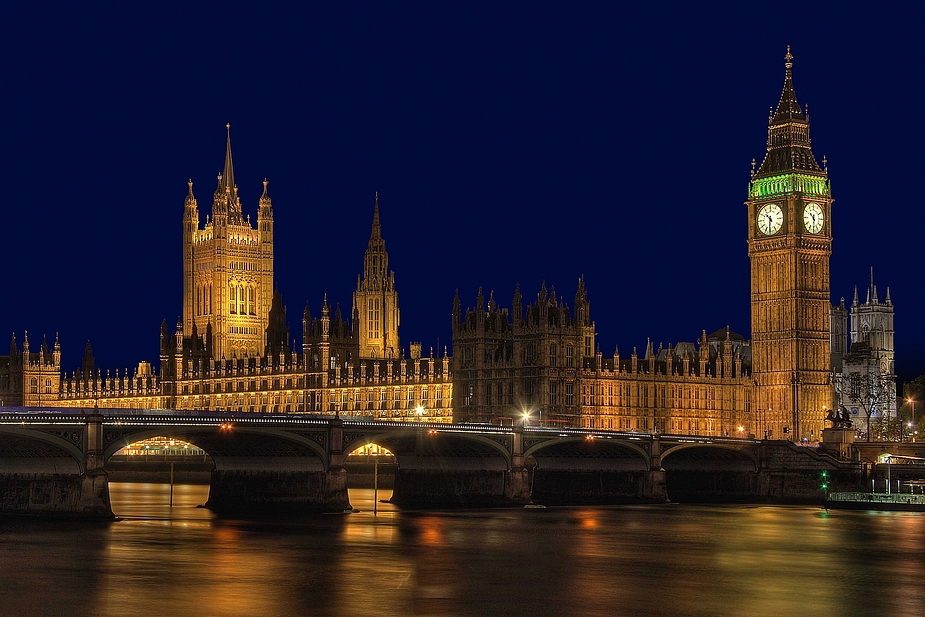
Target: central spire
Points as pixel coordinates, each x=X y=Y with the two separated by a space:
x=377 y=229
x=788 y=109
x=228 y=173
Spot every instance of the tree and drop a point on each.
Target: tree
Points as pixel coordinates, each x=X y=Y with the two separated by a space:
x=914 y=404
x=888 y=429
x=868 y=386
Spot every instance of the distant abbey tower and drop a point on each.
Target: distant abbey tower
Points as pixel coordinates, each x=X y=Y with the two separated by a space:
x=375 y=302
x=227 y=270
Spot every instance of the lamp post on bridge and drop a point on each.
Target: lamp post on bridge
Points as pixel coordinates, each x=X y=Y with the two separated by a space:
x=912 y=430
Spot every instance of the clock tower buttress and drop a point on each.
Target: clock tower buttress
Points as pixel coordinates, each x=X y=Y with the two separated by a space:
x=789 y=245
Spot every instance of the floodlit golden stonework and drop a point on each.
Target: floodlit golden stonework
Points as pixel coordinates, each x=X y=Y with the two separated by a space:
x=537 y=364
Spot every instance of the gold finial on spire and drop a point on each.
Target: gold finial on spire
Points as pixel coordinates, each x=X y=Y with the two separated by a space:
x=788 y=57
x=228 y=124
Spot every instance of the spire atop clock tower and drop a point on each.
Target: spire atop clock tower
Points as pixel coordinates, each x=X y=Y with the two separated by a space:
x=788 y=133
x=789 y=245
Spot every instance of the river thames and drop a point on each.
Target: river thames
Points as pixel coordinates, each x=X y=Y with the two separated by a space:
x=619 y=560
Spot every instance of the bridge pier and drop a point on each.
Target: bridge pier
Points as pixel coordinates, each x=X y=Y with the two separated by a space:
x=270 y=484
x=266 y=491
x=59 y=487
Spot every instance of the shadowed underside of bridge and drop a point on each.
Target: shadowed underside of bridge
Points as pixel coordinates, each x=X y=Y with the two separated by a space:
x=703 y=473
x=43 y=473
x=257 y=468
x=447 y=469
x=578 y=470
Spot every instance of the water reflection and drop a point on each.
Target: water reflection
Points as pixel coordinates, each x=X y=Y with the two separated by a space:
x=629 y=560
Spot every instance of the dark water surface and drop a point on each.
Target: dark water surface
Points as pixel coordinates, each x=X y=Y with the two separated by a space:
x=630 y=560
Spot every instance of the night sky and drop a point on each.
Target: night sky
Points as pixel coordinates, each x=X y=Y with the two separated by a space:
x=509 y=144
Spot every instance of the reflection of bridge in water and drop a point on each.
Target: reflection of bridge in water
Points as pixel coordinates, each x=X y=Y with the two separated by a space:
x=53 y=462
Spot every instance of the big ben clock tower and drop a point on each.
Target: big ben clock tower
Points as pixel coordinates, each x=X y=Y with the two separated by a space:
x=789 y=244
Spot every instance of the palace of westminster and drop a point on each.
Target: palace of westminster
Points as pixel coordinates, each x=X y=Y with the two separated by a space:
x=231 y=350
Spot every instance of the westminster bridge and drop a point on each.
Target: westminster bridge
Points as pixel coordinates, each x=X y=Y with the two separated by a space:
x=52 y=462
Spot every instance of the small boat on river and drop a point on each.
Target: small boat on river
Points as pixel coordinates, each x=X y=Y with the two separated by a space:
x=906 y=502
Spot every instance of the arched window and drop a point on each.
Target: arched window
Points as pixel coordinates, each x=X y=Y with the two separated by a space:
x=241 y=300
x=250 y=301
x=233 y=300
x=34 y=386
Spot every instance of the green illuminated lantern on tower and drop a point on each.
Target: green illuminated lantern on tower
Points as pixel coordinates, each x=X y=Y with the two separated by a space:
x=789 y=246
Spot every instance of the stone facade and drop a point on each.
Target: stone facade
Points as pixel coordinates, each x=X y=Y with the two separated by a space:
x=538 y=363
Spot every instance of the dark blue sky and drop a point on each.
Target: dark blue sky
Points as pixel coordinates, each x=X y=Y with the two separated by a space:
x=509 y=144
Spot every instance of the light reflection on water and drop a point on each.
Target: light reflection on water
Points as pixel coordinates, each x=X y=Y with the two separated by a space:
x=630 y=560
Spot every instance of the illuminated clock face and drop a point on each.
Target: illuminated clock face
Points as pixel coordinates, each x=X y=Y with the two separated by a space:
x=770 y=219
x=813 y=218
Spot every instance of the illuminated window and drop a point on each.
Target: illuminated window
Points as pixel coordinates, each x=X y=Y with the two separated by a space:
x=233 y=299
x=372 y=317
x=241 y=300
x=34 y=386
x=250 y=301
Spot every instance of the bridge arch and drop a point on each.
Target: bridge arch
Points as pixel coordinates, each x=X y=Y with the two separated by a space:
x=587 y=453
x=715 y=454
x=715 y=472
x=434 y=449
x=239 y=446
x=26 y=450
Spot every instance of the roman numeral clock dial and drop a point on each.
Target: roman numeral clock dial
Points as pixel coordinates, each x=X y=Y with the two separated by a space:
x=813 y=218
x=770 y=219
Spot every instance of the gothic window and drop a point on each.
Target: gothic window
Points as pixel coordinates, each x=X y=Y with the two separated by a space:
x=34 y=386
x=241 y=300
x=372 y=317
x=553 y=393
x=569 y=393
x=531 y=353
x=470 y=393
x=587 y=346
x=569 y=360
x=439 y=398
x=47 y=386
x=233 y=300
x=553 y=356
x=250 y=301
x=410 y=398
